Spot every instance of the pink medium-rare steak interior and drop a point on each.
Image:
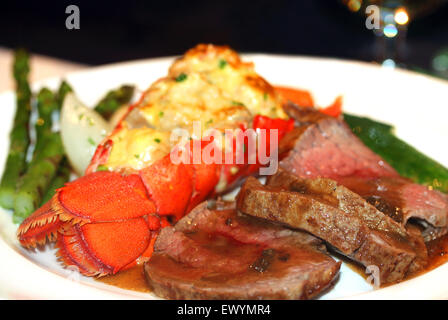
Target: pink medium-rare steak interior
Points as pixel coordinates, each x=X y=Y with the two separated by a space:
x=324 y=146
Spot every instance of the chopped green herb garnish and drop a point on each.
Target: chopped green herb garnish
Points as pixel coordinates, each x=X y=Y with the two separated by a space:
x=209 y=122
x=102 y=167
x=181 y=77
x=237 y=103
x=161 y=114
x=90 y=121
x=265 y=96
x=157 y=140
x=222 y=64
x=90 y=140
x=137 y=156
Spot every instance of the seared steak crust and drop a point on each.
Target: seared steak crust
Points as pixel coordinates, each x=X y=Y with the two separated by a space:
x=337 y=215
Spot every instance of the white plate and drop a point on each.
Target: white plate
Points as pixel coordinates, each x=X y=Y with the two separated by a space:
x=417 y=105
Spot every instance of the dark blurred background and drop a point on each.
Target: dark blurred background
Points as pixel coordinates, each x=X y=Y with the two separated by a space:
x=114 y=31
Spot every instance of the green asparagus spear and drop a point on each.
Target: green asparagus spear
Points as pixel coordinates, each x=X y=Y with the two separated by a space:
x=64 y=170
x=64 y=88
x=62 y=176
x=113 y=100
x=19 y=136
x=43 y=166
x=408 y=161
x=46 y=106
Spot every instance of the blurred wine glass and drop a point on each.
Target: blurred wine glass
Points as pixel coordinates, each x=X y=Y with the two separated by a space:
x=394 y=18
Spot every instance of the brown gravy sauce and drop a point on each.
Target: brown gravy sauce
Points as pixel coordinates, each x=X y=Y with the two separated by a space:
x=131 y=279
x=437 y=255
x=437 y=252
x=134 y=278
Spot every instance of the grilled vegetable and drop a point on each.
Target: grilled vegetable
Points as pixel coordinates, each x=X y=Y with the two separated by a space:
x=19 y=136
x=82 y=129
x=64 y=88
x=408 y=161
x=113 y=100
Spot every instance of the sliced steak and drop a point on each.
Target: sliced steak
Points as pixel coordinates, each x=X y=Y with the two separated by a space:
x=403 y=200
x=339 y=216
x=324 y=146
x=216 y=253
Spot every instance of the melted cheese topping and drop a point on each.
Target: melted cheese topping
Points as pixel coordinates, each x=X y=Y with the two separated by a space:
x=209 y=85
x=137 y=148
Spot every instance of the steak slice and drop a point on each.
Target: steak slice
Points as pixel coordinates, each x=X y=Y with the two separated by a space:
x=403 y=201
x=216 y=253
x=324 y=146
x=339 y=216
